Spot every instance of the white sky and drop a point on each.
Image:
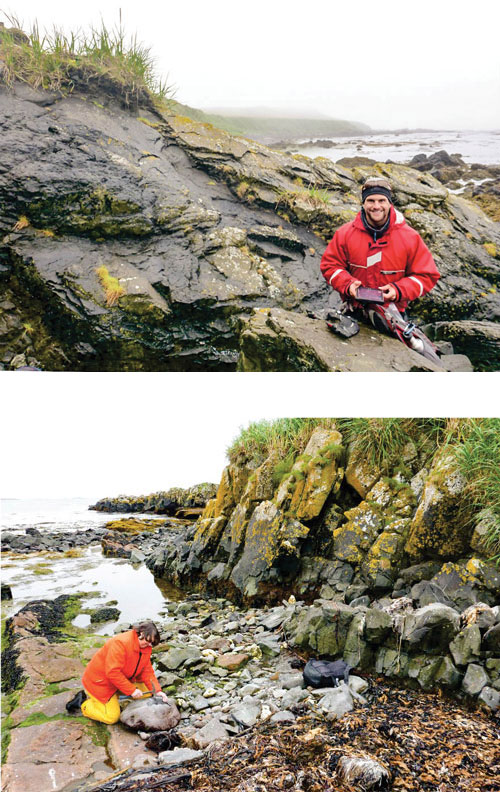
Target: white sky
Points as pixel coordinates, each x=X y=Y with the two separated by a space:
x=95 y=435
x=389 y=64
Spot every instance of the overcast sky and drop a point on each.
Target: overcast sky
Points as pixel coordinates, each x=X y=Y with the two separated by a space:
x=388 y=64
x=93 y=435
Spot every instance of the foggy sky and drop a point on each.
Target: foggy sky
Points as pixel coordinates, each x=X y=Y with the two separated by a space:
x=104 y=434
x=388 y=64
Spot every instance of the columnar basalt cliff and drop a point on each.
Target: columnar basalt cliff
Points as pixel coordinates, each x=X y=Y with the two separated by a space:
x=393 y=556
x=138 y=240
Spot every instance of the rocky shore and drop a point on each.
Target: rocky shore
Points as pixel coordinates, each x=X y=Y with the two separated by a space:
x=139 y=240
x=174 y=502
x=234 y=675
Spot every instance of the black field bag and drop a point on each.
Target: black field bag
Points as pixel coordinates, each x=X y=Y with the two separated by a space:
x=326 y=673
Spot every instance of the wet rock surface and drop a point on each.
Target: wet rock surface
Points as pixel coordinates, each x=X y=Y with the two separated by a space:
x=138 y=241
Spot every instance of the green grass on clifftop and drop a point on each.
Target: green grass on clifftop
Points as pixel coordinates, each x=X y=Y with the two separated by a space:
x=474 y=443
x=57 y=61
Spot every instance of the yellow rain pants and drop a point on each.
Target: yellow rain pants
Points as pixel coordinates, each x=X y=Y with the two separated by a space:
x=110 y=711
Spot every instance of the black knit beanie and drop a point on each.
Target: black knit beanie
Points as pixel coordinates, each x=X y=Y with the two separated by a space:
x=376 y=186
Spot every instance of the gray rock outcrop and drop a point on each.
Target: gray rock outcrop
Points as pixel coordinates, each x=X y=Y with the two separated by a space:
x=139 y=240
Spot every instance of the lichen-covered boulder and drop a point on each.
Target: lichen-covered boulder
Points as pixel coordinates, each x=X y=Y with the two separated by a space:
x=271 y=549
x=384 y=558
x=357 y=652
x=354 y=537
x=378 y=624
x=315 y=475
x=438 y=530
x=447 y=675
x=475 y=679
x=360 y=473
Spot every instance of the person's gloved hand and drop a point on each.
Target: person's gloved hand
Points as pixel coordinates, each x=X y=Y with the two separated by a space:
x=137 y=694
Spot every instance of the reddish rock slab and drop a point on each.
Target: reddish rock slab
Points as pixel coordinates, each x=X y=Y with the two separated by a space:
x=232 y=661
x=49 y=777
x=47 y=757
x=125 y=747
x=49 y=706
x=58 y=668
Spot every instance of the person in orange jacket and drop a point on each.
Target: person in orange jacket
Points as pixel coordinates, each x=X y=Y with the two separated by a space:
x=122 y=664
x=379 y=250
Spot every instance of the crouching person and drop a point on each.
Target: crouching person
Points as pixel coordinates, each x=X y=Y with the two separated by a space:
x=122 y=664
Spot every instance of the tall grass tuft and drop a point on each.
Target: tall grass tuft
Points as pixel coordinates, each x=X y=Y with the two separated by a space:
x=475 y=445
x=281 y=437
x=58 y=61
x=382 y=440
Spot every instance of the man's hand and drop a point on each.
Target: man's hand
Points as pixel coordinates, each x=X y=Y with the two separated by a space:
x=389 y=292
x=352 y=291
x=137 y=694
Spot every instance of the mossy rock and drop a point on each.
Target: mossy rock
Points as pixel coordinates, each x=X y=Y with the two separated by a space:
x=439 y=528
x=355 y=537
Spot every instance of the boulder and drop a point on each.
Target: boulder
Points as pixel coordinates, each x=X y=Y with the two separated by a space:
x=150 y=715
x=272 y=545
x=273 y=339
x=378 y=624
x=479 y=341
x=355 y=537
x=466 y=646
x=437 y=529
x=475 y=679
x=426 y=592
x=179 y=756
x=314 y=476
x=246 y=714
x=431 y=628
x=213 y=731
x=336 y=702
x=490 y=697
x=177 y=657
x=492 y=639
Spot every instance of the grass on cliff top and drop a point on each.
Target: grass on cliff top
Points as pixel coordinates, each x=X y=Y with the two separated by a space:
x=282 y=437
x=58 y=61
x=474 y=443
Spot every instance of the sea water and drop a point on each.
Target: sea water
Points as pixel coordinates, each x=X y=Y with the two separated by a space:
x=480 y=147
x=46 y=575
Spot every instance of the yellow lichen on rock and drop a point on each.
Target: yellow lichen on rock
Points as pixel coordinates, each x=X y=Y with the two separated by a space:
x=315 y=474
x=440 y=526
x=354 y=537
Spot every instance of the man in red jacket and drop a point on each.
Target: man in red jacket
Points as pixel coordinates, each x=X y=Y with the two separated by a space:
x=380 y=251
x=122 y=664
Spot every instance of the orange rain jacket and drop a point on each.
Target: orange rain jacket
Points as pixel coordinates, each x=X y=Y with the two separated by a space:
x=117 y=666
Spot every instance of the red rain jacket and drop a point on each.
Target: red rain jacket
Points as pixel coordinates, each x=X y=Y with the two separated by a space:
x=117 y=665
x=399 y=257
